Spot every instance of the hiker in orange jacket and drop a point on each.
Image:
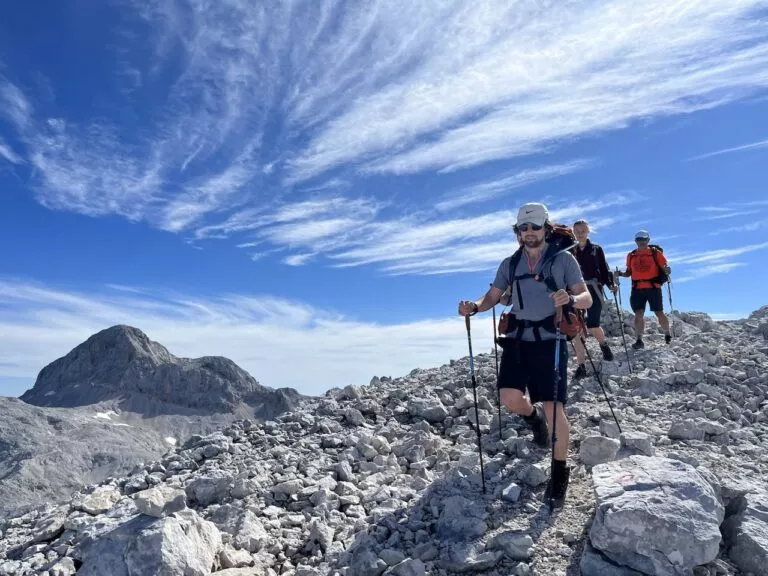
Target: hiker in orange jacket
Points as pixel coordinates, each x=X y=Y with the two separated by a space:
x=648 y=268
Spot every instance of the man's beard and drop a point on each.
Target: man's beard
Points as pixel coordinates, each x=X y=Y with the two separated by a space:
x=533 y=242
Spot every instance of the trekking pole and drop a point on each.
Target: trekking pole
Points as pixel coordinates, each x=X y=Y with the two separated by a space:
x=599 y=381
x=671 y=308
x=558 y=339
x=496 y=353
x=617 y=300
x=474 y=392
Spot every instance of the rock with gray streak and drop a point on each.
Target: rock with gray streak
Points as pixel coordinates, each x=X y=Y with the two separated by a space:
x=598 y=449
x=593 y=563
x=638 y=442
x=686 y=430
x=431 y=409
x=461 y=519
x=160 y=501
x=655 y=515
x=515 y=544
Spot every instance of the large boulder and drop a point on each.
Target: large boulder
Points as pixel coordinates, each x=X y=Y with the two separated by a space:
x=655 y=515
x=183 y=543
x=746 y=532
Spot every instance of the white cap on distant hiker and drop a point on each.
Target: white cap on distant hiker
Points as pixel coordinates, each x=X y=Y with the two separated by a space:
x=642 y=235
x=533 y=213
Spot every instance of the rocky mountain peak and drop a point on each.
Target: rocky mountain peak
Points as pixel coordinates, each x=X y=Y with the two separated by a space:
x=122 y=363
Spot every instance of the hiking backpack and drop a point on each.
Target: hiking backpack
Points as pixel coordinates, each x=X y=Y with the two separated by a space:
x=662 y=277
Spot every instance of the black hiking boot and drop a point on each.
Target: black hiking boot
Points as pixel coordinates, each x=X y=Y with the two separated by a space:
x=538 y=423
x=607 y=354
x=667 y=338
x=557 y=488
x=638 y=344
x=581 y=372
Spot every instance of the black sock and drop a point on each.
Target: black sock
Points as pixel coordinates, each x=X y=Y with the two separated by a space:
x=558 y=468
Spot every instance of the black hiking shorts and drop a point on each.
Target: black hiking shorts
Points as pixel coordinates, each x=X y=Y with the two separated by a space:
x=642 y=296
x=595 y=311
x=534 y=370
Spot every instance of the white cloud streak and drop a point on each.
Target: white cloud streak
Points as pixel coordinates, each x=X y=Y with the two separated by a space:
x=494 y=188
x=715 y=255
x=520 y=77
x=742 y=228
x=706 y=271
x=40 y=323
x=397 y=87
x=743 y=148
x=7 y=152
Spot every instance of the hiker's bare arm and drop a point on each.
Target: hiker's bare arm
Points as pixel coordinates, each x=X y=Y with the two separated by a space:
x=488 y=301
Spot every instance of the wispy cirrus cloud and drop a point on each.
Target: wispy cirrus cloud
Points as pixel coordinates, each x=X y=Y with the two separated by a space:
x=493 y=106
x=39 y=323
x=7 y=152
x=494 y=188
x=723 y=213
x=749 y=226
x=716 y=255
x=242 y=104
x=743 y=148
x=705 y=271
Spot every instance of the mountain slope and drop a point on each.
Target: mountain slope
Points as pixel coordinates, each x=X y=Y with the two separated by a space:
x=385 y=479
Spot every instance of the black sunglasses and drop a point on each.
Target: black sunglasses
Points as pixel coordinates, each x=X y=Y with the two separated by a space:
x=524 y=227
x=641 y=239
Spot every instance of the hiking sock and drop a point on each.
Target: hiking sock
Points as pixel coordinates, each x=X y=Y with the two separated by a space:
x=558 y=482
x=581 y=372
x=607 y=353
x=558 y=469
x=668 y=337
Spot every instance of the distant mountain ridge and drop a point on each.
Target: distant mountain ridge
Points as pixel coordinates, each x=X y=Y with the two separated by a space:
x=122 y=363
x=114 y=401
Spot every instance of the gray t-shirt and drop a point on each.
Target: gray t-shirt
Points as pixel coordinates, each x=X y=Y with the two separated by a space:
x=537 y=303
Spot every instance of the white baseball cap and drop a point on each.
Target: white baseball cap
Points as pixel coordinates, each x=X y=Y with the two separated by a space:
x=642 y=235
x=533 y=213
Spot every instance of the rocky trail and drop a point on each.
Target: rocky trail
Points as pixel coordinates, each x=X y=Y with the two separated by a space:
x=385 y=479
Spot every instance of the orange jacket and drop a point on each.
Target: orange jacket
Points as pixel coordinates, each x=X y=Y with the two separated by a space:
x=642 y=266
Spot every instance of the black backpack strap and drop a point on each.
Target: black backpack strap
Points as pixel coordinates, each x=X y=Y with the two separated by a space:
x=513 y=263
x=548 y=259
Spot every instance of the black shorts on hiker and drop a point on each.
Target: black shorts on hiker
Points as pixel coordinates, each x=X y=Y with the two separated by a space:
x=594 y=311
x=536 y=370
x=652 y=296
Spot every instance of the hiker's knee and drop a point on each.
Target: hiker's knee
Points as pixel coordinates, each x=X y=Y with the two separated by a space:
x=560 y=411
x=513 y=399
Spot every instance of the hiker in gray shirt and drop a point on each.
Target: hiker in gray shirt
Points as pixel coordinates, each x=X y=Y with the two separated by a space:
x=544 y=274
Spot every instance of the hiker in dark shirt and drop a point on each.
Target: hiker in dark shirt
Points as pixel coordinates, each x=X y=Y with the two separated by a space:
x=594 y=268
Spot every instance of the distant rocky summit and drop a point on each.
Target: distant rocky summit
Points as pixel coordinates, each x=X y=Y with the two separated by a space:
x=115 y=401
x=384 y=480
x=122 y=363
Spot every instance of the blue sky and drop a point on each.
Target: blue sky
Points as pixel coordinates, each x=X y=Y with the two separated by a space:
x=310 y=187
